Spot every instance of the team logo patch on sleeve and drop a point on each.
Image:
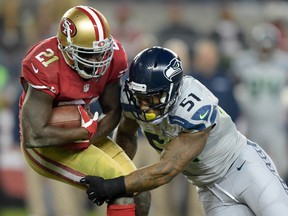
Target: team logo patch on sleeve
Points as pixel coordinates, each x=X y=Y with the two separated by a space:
x=205 y=113
x=174 y=67
x=203 y=118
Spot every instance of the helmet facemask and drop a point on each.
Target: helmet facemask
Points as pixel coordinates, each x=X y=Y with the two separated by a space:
x=90 y=62
x=85 y=41
x=159 y=103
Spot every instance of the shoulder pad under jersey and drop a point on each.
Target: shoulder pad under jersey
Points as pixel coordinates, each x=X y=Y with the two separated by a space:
x=195 y=109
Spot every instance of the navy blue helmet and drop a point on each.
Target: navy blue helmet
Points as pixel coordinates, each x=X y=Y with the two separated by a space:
x=154 y=72
x=265 y=36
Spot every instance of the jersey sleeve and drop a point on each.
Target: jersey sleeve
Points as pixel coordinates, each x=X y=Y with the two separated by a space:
x=119 y=64
x=198 y=120
x=38 y=73
x=196 y=109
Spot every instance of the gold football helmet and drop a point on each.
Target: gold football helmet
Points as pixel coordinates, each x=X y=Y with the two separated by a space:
x=85 y=41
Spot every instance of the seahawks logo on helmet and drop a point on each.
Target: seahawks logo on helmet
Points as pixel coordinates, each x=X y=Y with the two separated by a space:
x=173 y=68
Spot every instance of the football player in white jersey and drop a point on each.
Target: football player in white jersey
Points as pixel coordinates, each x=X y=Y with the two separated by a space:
x=182 y=120
x=262 y=74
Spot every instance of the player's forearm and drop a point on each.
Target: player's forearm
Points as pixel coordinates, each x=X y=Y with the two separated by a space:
x=99 y=190
x=150 y=177
x=106 y=125
x=52 y=136
x=127 y=142
x=145 y=179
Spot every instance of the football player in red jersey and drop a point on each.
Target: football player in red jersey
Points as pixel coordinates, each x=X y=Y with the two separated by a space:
x=81 y=65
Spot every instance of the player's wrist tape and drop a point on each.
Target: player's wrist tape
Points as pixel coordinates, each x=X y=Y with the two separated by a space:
x=101 y=190
x=115 y=187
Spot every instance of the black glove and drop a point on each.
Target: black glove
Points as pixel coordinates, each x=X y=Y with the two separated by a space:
x=101 y=190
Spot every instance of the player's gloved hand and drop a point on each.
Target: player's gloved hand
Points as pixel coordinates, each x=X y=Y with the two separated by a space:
x=89 y=124
x=101 y=190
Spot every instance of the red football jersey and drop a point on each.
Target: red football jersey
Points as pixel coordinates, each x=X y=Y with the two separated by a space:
x=45 y=69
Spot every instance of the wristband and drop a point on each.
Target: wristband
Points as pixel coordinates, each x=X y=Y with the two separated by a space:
x=115 y=187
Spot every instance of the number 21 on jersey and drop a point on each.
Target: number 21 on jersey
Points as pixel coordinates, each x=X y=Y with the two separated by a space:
x=47 y=57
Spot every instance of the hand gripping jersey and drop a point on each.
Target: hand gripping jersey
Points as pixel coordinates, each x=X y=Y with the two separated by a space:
x=45 y=69
x=195 y=110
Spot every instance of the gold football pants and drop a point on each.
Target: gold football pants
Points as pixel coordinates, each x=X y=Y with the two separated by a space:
x=107 y=160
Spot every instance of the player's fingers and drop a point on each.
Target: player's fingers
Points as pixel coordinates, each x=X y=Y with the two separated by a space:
x=80 y=108
x=83 y=113
x=89 y=179
x=86 y=179
x=91 y=195
x=99 y=203
x=83 y=181
x=96 y=115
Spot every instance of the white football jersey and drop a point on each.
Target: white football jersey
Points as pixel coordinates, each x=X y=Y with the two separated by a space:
x=260 y=92
x=195 y=110
x=262 y=84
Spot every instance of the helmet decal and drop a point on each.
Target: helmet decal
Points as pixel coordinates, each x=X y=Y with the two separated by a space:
x=96 y=20
x=67 y=25
x=153 y=86
x=173 y=68
x=98 y=44
x=83 y=33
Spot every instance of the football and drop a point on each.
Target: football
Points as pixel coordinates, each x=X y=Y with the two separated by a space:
x=66 y=116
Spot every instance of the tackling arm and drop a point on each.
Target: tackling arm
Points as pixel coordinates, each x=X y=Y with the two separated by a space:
x=175 y=157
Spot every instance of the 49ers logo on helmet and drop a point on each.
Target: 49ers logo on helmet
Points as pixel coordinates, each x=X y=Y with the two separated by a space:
x=67 y=25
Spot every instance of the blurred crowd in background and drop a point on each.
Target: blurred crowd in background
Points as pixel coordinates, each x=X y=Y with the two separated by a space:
x=238 y=49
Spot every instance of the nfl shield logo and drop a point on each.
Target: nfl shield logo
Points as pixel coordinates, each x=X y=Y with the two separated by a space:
x=86 y=88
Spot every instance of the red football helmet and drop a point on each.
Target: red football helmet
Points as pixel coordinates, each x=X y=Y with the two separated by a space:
x=85 y=41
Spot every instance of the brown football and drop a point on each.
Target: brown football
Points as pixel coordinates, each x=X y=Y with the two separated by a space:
x=66 y=116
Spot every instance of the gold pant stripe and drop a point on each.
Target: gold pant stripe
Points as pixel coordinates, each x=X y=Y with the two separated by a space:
x=53 y=168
